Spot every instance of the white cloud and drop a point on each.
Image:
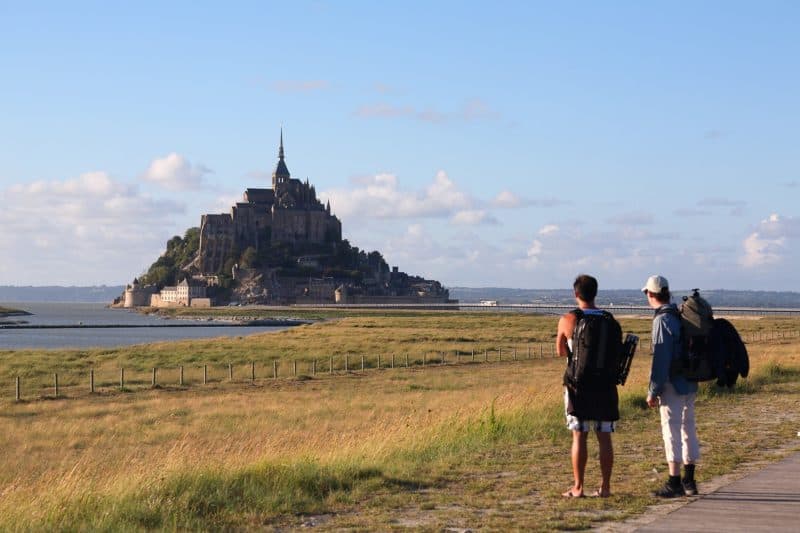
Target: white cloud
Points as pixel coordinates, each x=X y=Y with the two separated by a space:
x=379 y=196
x=759 y=251
x=506 y=199
x=533 y=255
x=175 y=173
x=548 y=229
x=771 y=241
x=89 y=229
x=473 y=217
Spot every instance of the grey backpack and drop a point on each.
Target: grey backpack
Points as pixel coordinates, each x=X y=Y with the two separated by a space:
x=697 y=320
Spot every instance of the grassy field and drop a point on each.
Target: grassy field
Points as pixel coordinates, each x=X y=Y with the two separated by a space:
x=470 y=445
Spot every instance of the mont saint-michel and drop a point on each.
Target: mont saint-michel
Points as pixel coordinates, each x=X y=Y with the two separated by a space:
x=279 y=245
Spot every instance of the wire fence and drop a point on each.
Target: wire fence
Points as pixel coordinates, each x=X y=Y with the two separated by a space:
x=73 y=384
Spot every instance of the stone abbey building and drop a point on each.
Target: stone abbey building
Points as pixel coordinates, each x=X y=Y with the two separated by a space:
x=300 y=258
x=287 y=213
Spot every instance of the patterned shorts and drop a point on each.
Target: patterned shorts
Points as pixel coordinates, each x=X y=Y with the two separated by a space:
x=576 y=424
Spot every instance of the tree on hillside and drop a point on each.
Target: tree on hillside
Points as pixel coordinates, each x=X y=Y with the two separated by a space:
x=180 y=251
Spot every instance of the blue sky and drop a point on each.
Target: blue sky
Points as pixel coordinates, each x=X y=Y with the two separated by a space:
x=510 y=144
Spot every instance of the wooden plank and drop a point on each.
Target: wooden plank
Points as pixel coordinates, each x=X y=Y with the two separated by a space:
x=766 y=500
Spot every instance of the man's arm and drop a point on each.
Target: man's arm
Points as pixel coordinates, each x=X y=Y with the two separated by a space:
x=662 y=359
x=566 y=324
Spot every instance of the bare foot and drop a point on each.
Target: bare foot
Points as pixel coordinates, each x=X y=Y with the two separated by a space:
x=572 y=493
x=600 y=494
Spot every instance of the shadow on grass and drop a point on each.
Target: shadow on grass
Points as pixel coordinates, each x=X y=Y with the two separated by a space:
x=770 y=374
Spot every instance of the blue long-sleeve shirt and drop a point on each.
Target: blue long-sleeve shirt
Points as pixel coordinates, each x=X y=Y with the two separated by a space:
x=666 y=347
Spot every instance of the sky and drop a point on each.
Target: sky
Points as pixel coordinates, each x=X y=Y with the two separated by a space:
x=503 y=144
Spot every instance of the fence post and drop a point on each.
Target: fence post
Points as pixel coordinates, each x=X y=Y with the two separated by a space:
x=154 y=376
x=122 y=378
x=499 y=354
x=379 y=361
x=294 y=366
x=274 y=369
x=515 y=354
x=17 y=392
x=529 y=351
x=362 y=363
x=55 y=380
x=330 y=363
x=180 y=380
x=252 y=371
x=392 y=360
x=230 y=371
x=314 y=367
x=91 y=380
x=205 y=374
x=406 y=360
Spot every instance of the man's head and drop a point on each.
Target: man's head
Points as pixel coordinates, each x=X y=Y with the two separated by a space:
x=657 y=288
x=585 y=288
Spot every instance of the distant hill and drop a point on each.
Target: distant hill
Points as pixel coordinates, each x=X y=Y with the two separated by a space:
x=102 y=293
x=719 y=297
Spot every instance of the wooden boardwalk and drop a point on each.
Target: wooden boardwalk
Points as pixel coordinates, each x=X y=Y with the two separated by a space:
x=766 y=500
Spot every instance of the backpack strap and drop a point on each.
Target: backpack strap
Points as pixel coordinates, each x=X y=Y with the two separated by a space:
x=668 y=310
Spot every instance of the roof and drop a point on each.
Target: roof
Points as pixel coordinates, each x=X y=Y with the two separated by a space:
x=280 y=168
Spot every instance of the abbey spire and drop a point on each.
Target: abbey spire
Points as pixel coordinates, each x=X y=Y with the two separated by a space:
x=281 y=174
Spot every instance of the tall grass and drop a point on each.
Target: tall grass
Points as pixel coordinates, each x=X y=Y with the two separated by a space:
x=243 y=457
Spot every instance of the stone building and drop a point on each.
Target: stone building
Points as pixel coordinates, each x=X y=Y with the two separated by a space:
x=185 y=293
x=288 y=213
x=137 y=295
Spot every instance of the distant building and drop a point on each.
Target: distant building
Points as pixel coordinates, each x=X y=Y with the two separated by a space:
x=289 y=213
x=185 y=293
x=137 y=295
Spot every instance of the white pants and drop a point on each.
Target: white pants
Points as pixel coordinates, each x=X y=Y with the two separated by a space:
x=678 y=426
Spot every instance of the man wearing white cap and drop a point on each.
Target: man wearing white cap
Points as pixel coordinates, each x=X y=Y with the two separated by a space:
x=672 y=393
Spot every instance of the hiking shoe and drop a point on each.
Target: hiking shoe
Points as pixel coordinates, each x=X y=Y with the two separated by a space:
x=669 y=491
x=689 y=487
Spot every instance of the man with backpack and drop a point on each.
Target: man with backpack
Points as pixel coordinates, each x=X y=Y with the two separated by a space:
x=672 y=392
x=591 y=339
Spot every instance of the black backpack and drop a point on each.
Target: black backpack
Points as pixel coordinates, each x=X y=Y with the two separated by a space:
x=596 y=350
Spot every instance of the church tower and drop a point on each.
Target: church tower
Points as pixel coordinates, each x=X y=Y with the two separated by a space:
x=280 y=177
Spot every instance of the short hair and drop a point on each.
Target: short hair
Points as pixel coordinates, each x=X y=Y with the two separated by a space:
x=585 y=287
x=663 y=296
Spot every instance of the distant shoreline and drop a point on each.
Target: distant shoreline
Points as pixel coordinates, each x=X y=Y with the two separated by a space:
x=7 y=312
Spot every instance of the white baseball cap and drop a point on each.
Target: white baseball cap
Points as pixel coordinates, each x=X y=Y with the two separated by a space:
x=656 y=284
